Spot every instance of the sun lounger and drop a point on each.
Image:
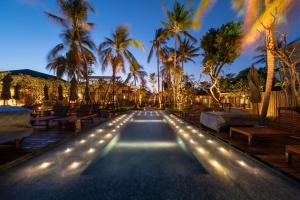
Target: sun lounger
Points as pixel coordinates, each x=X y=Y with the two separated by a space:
x=286 y=124
x=290 y=150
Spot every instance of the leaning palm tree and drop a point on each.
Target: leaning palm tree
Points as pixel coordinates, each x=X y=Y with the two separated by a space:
x=157 y=43
x=114 y=52
x=187 y=52
x=180 y=20
x=76 y=37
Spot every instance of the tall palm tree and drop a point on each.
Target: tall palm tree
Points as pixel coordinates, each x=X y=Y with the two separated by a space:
x=157 y=43
x=180 y=20
x=76 y=37
x=187 y=52
x=114 y=52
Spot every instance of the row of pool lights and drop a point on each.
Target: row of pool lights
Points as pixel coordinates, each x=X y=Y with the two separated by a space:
x=114 y=125
x=152 y=113
x=202 y=150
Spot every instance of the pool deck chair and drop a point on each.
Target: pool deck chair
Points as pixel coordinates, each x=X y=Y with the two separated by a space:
x=290 y=150
x=287 y=124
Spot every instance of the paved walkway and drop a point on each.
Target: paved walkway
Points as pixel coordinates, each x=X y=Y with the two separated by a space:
x=140 y=157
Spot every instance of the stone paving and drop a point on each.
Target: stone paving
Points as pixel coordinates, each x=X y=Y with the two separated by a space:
x=145 y=155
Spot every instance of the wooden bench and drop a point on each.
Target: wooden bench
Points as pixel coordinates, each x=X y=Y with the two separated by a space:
x=290 y=150
x=287 y=124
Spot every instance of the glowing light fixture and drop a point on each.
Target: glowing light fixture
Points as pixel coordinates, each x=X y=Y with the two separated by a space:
x=82 y=141
x=44 y=165
x=101 y=141
x=108 y=135
x=91 y=150
x=92 y=135
x=68 y=150
x=74 y=165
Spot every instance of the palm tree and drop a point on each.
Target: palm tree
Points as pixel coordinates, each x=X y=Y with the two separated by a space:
x=180 y=20
x=76 y=37
x=157 y=43
x=187 y=51
x=114 y=52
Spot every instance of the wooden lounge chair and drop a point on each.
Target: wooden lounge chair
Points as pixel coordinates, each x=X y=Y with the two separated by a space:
x=287 y=124
x=290 y=150
x=59 y=112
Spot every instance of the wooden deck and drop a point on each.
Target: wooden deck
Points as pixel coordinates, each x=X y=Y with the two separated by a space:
x=268 y=150
x=39 y=140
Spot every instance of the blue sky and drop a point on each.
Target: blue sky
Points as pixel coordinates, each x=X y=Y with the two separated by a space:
x=27 y=34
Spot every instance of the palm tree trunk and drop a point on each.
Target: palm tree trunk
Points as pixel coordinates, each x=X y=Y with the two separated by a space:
x=158 y=77
x=174 y=68
x=270 y=41
x=113 y=87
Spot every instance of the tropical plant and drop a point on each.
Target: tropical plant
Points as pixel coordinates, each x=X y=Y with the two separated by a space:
x=187 y=52
x=179 y=21
x=215 y=58
x=115 y=51
x=46 y=93
x=17 y=95
x=6 y=85
x=77 y=42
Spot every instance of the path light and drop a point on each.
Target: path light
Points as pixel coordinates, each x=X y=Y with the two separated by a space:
x=100 y=130
x=101 y=141
x=186 y=135
x=201 y=150
x=82 y=141
x=192 y=141
x=110 y=124
x=44 y=165
x=189 y=127
x=210 y=141
x=91 y=150
x=74 y=165
x=222 y=150
x=92 y=135
x=194 y=130
x=200 y=135
x=108 y=135
x=180 y=130
x=242 y=163
x=68 y=150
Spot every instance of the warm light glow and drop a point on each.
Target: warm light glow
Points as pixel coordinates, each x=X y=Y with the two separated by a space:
x=210 y=141
x=44 y=165
x=192 y=141
x=82 y=141
x=91 y=150
x=101 y=141
x=74 y=165
x=92 y=135
x=68 y=150
x=194 y=130
x=242 y=163
x=201 y=150
x=100 y=130
x=110 y=124
x=200 y=135
x=147 y=144
x=108 y=135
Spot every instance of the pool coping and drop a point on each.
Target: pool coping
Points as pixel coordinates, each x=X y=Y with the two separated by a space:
x=8 y=165
x=274 y=169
